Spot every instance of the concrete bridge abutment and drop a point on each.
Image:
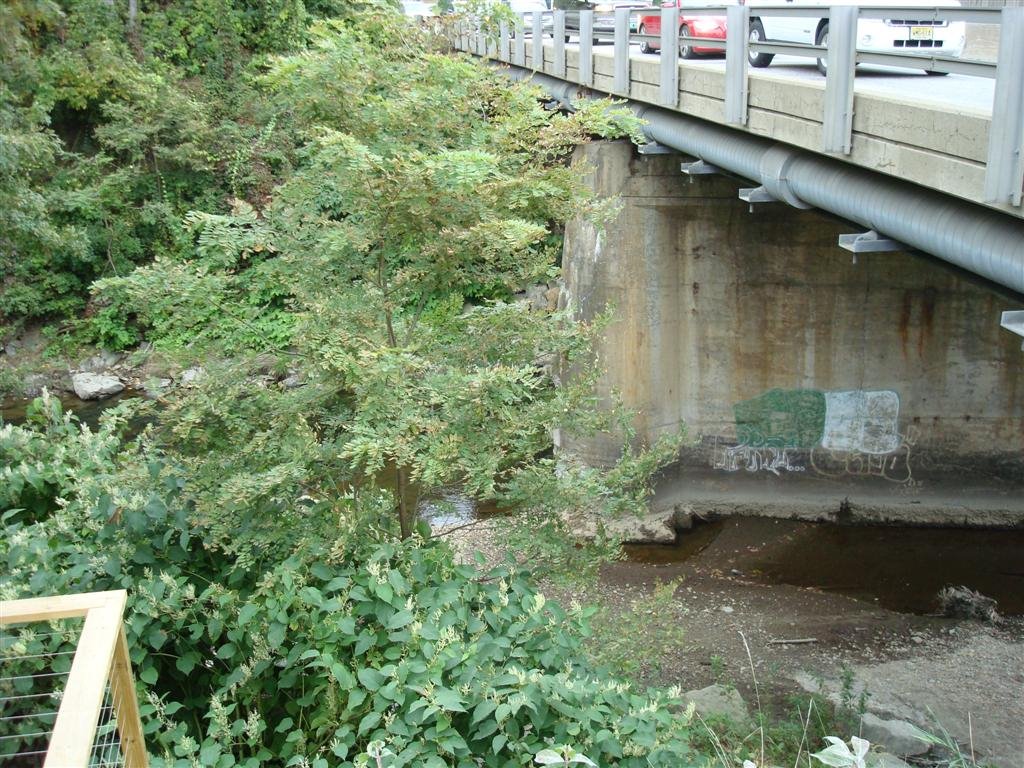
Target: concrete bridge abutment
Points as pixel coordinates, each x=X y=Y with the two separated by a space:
x=810 y=385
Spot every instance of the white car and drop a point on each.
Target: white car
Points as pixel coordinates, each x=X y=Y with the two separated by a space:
x=418 y=8
x=527 y=6
x=902 y=34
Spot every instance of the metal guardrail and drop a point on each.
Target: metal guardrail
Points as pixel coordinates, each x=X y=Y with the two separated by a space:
x=1004 y=174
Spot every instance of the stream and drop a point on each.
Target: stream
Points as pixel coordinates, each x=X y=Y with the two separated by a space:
x=900 y=568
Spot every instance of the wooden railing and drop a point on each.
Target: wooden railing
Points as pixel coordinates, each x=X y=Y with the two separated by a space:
x=96 y=718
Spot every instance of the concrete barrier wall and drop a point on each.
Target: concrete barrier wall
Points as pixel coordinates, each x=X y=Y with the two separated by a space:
x=794 y=369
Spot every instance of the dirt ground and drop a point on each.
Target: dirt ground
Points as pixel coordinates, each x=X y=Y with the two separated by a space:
x=910 y=666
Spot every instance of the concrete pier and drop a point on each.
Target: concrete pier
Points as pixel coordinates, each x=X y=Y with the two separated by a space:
x=811 y=384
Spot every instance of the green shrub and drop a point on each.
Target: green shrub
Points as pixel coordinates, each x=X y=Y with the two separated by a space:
x=345 y=638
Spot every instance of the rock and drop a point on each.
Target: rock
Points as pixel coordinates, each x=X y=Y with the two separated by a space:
x=95 y=386
x=965 y=603
x=884 y=760
x=719 y=701
x=652 y=528
x=537 y=295
x=100 y=362
x=291 y=381
x=896 y=736
x=190 y=376
x=684 y=517
x=34 y=384
x=552 y=297
x=156 y=386
x=726 y=609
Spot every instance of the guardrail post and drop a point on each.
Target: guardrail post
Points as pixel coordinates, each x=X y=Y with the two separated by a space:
x=519 y=44
x=1004 y=170
x=736 y=61
x=586 y=73
x=503 y=46
x=621 y=82
x=538 y=41
x=837 y=124
x=668 y=92
x=558 y=33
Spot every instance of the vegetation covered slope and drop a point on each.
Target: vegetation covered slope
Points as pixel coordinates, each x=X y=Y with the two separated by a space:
x=356 y=209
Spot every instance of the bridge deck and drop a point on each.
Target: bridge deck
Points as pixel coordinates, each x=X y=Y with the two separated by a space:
x=930 y=131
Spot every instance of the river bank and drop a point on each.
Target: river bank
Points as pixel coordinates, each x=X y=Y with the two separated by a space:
x=917 y=667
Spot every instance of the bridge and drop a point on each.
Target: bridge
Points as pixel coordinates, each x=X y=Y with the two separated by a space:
x=748 y=122
x=876 y=385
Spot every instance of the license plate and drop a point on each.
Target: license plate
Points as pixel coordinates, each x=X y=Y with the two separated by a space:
x=922 y=33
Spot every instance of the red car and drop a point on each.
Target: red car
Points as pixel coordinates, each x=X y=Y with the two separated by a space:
x=694 y=26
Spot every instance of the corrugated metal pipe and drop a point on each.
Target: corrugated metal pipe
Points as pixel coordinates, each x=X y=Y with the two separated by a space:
x=975 y=238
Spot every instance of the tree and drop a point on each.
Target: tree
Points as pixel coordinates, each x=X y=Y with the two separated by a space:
x=431 y=200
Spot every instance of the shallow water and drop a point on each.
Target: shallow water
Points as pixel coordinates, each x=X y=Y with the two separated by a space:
x=900 y=568
x=88 y=411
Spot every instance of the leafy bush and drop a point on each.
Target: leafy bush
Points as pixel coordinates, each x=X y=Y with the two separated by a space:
x=40 y=460
x=346 y=638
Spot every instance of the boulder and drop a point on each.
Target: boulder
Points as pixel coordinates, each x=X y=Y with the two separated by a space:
x=537 y=296
x=155 y=387
x=95 y=386
x=896 y=736
x=101 y=361
x=34 y=384
x=652 y=528
x=292 y=380
x=190 y=376
x=719 y=701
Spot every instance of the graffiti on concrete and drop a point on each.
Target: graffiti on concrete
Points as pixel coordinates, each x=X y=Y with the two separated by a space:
x=861 y=421
x=781 y=418
x=847 y=432
x=893 y=466
x=742 y=456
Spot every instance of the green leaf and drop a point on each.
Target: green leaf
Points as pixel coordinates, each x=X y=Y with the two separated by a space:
x=400 y=619
x=498 y=742
x=276 y=635
x=247 y=613
x=369 y=722
x=483 y=709
x=226 y=651
x=370 y=679
x=449 y=700
x=343 y=676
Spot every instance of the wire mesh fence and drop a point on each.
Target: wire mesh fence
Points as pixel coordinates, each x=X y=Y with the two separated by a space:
x=67 y=695
x=34 y=667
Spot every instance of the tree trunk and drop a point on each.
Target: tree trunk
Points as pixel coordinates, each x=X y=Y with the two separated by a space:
x=133 y=29
x=404 y=513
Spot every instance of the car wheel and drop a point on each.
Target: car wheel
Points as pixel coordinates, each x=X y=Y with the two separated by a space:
x=822 y=39
x=645 y=47
x=757 y=36
x=685 y=48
